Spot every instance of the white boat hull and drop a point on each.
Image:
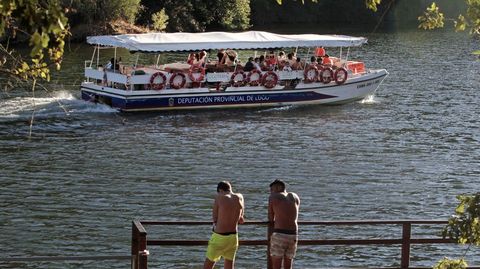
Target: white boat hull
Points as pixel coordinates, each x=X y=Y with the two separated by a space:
x=355 y=88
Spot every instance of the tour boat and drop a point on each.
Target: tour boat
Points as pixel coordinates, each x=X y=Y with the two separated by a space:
x=214 y=84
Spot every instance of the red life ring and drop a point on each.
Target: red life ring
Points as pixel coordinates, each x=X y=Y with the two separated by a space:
x=196 y=69
x=327 y=75
x=238 y=82
x=269 y=79
x=173 y=80
x=340 y=75
x=254 y=82
x=307 y=74
x=158 y=86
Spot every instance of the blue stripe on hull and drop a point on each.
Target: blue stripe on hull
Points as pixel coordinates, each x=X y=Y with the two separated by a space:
x=224 y=100
x=207 y=100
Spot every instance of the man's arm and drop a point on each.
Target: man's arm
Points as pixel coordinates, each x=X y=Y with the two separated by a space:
x=215 y=211
x=271 y=215
x=241 y=220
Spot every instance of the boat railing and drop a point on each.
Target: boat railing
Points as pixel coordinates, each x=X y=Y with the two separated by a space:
x=141 y=243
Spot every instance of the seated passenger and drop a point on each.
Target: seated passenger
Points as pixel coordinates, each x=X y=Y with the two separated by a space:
x=327 y=61
x=256 y=64
x=313 y=60
x=298 y=65
x=291 y=58
x=287 y=67
x=270 y=62
x=220 y=56
x=202 y=58
x=249 y=66
x=230 y=57
x=191 y=58
x=281 y=57
x=261 y=63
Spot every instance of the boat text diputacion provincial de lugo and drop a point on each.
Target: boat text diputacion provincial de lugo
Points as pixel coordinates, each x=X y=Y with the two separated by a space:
x=222 y=80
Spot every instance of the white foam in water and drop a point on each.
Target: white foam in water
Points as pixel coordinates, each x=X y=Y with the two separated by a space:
x=369 y=100
x=62 y=103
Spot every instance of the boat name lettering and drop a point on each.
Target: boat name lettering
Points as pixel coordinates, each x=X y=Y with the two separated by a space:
x=368 y=84
x=195 y=100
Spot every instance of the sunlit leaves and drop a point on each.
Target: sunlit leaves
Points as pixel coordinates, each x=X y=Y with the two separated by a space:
x=432 y=18
x=372 y=4
x=447 y=263
x=44 y=25
x=464 y=225
x=160 y=20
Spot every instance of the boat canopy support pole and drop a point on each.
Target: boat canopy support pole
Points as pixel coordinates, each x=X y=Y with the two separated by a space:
x=158 y=60
x=115 y=59
x=136 y=61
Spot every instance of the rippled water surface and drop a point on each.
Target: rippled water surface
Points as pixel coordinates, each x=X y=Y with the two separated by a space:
x=87 y=171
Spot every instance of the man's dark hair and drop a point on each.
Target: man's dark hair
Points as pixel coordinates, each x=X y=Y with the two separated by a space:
x=224 y=186
x=278 y=182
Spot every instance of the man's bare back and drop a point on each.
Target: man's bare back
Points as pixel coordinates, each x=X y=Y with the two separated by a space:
x=283 y=210
x=227 y=212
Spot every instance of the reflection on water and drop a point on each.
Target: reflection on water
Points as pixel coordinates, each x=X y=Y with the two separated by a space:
x=74 y=187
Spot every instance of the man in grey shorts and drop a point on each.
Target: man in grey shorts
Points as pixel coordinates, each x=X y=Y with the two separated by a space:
x=283 y=213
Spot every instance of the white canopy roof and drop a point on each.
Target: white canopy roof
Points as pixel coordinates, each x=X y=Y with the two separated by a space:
x=157 y=42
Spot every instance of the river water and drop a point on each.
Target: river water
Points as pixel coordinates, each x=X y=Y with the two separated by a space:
x=87 y=171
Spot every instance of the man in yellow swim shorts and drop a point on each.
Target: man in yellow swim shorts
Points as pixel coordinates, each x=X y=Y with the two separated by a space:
x=227 y=213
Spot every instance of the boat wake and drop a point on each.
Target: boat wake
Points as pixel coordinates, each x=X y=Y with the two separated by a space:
x=61 y=104
x=370 y=100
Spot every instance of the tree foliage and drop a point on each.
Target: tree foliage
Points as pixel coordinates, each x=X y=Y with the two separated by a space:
x=45 y=27
x=463 y=227
x=159 y=20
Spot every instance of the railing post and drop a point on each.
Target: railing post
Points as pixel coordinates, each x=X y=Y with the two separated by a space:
x=406 y=235
x=139 y=246
x=269 y=235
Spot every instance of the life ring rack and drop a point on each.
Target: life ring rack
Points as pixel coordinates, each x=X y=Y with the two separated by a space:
x=158 y=86
x=238 y=82
x=173 y=79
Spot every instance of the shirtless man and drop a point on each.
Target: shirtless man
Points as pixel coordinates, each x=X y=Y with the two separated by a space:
x=227 y=214
x=283 y=213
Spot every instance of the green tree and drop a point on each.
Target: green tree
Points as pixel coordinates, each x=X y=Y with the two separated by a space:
x=44 y=26
x=464 y=228
x=160 y=20
x=198 y=15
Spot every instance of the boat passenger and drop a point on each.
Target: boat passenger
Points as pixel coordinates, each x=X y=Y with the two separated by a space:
x=230 y=57
x=261 y=63
x=271 y=61
x=249 y=66
x=191 y=58
x=202 y=58
x=291 y=58
x=327 y=61
x=281 y=57
x=287 y=67
x=298 y=65
x=256 y=64
x=313 y=60
x=109 y=65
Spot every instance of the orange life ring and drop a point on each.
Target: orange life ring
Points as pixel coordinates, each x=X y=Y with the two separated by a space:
x=327 y=75
x=269 y=79
x=158 y=86
x=240 y=82
x=196 y=69
x=307 y=74
x=340 y=75
x=173 y=80
x=254 y=82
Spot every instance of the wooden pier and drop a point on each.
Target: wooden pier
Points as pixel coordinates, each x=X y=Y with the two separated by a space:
x=140 y=242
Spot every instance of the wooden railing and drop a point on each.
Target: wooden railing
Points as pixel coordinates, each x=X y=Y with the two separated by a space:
x=140 y=241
